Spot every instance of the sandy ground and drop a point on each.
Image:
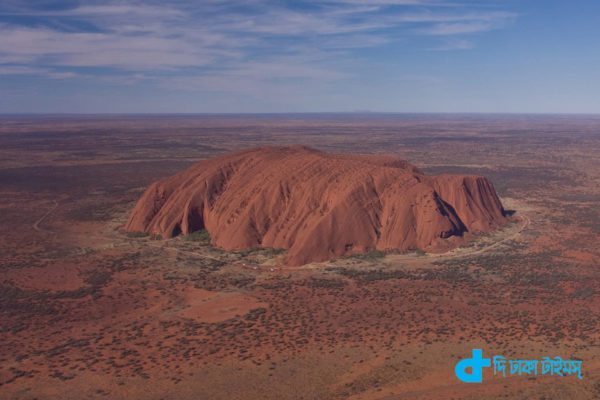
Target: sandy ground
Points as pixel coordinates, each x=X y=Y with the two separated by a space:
x=89 y=312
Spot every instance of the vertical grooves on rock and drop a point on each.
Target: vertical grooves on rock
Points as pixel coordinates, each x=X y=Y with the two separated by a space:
x=317 y=205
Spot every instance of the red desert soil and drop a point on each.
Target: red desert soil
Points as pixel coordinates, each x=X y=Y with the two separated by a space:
x=318 y=205
x=57 y=277
x=207 y=306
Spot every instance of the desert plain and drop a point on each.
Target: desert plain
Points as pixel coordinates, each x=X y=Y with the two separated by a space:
x=91 y=311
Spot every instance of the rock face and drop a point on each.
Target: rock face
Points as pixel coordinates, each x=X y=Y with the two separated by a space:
x=318 y=205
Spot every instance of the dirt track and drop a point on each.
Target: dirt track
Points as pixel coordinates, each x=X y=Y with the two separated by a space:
x=36 y=224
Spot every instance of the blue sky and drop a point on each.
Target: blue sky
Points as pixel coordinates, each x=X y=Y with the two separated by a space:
x=300 y=56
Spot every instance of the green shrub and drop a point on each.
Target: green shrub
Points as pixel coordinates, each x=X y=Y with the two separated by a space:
x=198 y=236
x=137 y=234
x=371 y=255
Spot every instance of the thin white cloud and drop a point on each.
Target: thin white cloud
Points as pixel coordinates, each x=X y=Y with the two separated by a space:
x=214 y=38
x=454 y=44
x=100 y=10
x=431 y=17
x=106 y=49
x=24 y=70
x=458 y=28
x=123 y=9
x=394 y=2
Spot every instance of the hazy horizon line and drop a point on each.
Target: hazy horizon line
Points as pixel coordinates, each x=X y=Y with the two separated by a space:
x=150 y=113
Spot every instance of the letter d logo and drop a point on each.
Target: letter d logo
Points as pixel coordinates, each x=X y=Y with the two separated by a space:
x=476 y=363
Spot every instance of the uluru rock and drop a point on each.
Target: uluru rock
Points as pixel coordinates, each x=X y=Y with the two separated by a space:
x=318 y=205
